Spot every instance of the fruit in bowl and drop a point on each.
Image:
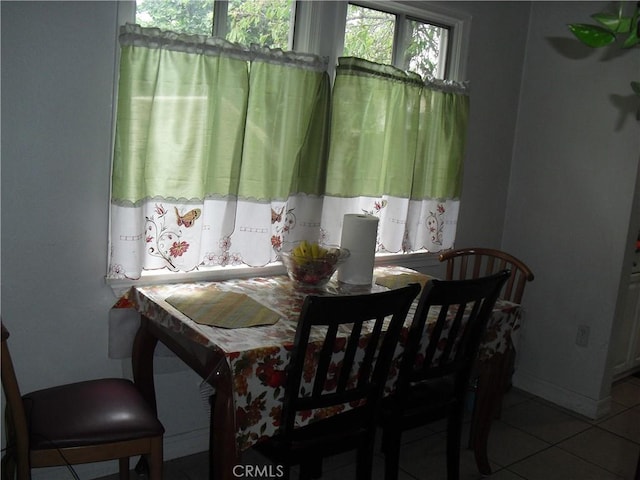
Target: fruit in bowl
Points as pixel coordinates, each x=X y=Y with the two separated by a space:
x=311 y=264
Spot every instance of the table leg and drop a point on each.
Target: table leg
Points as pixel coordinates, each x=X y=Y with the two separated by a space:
x=144 y=346
x=213 y=367
x=223 y=451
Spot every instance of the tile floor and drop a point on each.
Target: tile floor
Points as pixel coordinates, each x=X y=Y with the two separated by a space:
x=533 y=440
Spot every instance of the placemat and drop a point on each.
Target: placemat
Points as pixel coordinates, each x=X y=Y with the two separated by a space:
x=223 y=309
x=391 y=280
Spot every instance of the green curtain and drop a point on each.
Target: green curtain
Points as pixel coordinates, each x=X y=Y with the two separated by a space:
x=190 y=115
x=441 y=146
x=213 y=143
x=284 y=149
x=392 y=134
x=397 y=146
x=374 y=130
x=177 y=137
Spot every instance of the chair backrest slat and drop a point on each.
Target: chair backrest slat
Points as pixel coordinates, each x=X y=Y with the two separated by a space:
x=324 y=360
x=349 y=357
x=477 y=268
x=436 y=333
x=351 y=363
x=449 y=347
x=371 y=350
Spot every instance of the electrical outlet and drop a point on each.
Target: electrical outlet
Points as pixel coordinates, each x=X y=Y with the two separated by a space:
x=582 y=337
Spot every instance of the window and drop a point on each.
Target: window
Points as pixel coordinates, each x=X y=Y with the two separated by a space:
x=264 y=22
x=217 y=222
x=397 y=39
x=431 y=42
x=176 y=16
x=369 y=34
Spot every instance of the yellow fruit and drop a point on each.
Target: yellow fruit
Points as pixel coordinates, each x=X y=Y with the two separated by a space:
x=304 y=249
x=306 y=252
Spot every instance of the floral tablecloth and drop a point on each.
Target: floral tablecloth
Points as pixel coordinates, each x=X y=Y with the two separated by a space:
x=257 y=356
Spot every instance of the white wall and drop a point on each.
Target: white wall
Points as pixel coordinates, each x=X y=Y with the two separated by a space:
x=58 y=62
x=57 y=82
x=496 y=53
x=570 y=203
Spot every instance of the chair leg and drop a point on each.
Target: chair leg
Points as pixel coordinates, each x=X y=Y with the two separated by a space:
x=23 y=468
x=8 y=469
x=155 y=459
x=124 y=468
x=391 y=447
x=454 y=439
x=506 y=375
x=286 y=473
x=311 y=469
x=364 y=458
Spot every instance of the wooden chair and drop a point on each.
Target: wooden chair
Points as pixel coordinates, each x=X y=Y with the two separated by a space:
x=441 y=347
x=466 y=263
x=83 y=422
x=353 y=326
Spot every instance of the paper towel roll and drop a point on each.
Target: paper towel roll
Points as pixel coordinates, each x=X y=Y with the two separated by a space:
x=359 y=232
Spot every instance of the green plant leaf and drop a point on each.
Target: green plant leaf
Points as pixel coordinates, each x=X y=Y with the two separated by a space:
x=635 y=28
x=592 y=35
x=614 y=23
x=632 y=39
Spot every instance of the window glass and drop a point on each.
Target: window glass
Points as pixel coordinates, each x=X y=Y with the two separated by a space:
x=425 y=48
x=369 y=34
x=407 y=43
x=193 y=17
x=264 y=22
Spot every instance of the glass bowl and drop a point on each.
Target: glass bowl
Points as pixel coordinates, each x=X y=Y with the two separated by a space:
x=310 y=264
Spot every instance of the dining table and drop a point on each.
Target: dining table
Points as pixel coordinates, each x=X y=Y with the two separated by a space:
x=237 y=334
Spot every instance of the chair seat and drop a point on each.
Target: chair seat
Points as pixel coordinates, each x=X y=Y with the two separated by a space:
x=426 y=401
x=320 y=438
x=88 y=413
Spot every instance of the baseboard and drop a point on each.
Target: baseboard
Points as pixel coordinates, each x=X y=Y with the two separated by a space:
x=574 y=401
x=175 y=446
x=184 y=444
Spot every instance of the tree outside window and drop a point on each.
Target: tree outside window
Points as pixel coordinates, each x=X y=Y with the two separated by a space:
x=407 y=43
x=264 y=22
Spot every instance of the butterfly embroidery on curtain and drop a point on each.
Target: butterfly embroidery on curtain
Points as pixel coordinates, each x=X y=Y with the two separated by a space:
x=283 y=222
x=188 y=218
x=275 y=216
x=377 y=207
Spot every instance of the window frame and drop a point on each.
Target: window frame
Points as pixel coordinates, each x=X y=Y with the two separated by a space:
x=457 y=23
x=220 y=13
x=318 y=27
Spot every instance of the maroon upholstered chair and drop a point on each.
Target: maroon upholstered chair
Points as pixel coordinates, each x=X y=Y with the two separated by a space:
x=83 y=422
